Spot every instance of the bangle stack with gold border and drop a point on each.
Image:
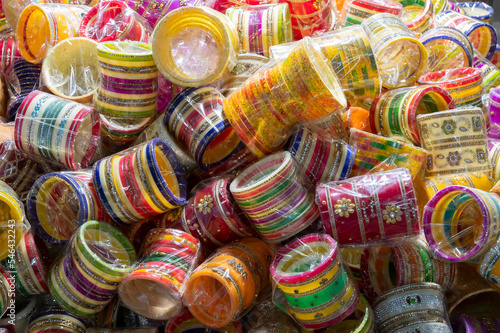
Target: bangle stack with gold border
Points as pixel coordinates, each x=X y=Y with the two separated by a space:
x=246 y=66
x=356 y=11
x=7 y=290
x=417 y=15
x=185 y=323
x=56 y=319
x=12 y=220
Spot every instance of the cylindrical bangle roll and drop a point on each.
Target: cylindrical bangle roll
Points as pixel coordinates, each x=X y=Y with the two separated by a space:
x=491 y=74
x=467 y=324
x=246 y=66
x=311 y=17
x=185 y=323
x=22 y=77
x=9 y=52
x=494 y=116
x=494 y=157
x=417 y=15
x=7 y=290
x=477 y=10
x=356 y=11
x=56 y=319
x=12 y=220
x=370 y=209
x=118 y=134
x=489 y=266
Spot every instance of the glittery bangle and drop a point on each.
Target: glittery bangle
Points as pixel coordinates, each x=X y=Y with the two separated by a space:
x=9 y=52
x=489 y=266
x=7 y=290
x=56 y=319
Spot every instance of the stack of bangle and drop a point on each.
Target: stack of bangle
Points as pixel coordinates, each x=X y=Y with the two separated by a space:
x=260 y=27
x=482 y=36
x=496 y=57
x=356 y=11
x=321 y=158
x=400 y=56
x=85 y=280
x=275 y=196
x=417 y=307
x=489 y=266
x=114 y=20
x=213 y=217
x=370 y=209
x=8 y=52
x=185 y=323
x=12 y=220
x=364 y=321
x=448 y=48
x=453 y=7
x=226 y=285
x=494 y=157
x=376 y=153
x=440 y=6
x=455 y=141
x=477 y=10
x=7 y=290
x=461 y=223
x=494 y=114
x=466 y=324
x=60 y=202
x=57 y=129
x=316 y=290
x=196 y=119
x=141 y=182
x=417 y=15
x=233 y=166
x=118 y=134
x=154 y=288
x=311 y=17
x=226 y=4
x=395 y=112
x=56 y=320
x=54 y=22
x=491 y=74
x=22 y=78
x=246 y=66
x=192 y=65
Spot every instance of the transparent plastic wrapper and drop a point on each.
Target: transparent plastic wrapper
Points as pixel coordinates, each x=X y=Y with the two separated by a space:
x=276 y=196
x=494 y=157
x=118 y=134
x=233 y=166
x=196 y=119
x=491 y=74
x=300 y=88
x=357 y=118
x=356 y=11
x=321 y=158
x=330 y=126
x=185 y=323
x=464 y=323
x=139 y=182
x=114 y=20
x=494 y=113
x=194 y=46
x=85 y=278
x=370 y=210
x=60 y=202
x=22 y=78
x=155 y=285
x=418 y=307
x=400 y=56
x=496 y=57
x=246 y=66
x=482 y=36
x=226 y=285
x=57 y=129
x=13 y=222
x=311 y=284
x=477 y=10
x=213 y=217
x=394 y=113
x=7 y=291
x=418 y=15
x=124 y=330
x=448 y=48
x=375 y=153
x=42 y=26
x=8 y=52
x=55 y=319
x=5 y=28
x=362 y=320
x=455 y=141
x=260 y=27
x=489 y=266
x=311 y=17
x=70 y=69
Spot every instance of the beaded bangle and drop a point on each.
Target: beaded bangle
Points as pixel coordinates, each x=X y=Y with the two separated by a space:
x=56 y=319
x=12 y=220
x=494 y=117
x=246 y=66
x=370 y=209
x=9 y=52
x=466 y=324
x=185 y=322
x=477 y=10
x=191 y=68
x=154 y=10
x=451 y=233
x=356 y=11
x=22 y=78
x=310 y=17
x=418 y=15
x=7 y=290
x=491 y=74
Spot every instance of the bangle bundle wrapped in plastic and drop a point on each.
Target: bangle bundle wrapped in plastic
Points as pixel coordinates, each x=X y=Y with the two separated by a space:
x=226 y=4
x=155 y=286
x=494 y=157
x=233 y=166
x=8 y=52
x=275 y=195
x=56 y=319
x=496 y=57
x=7 y=290
x=440 y=6
x=455 y=141
x=260 y=27
x=363 y=321
x=477 y=10
x=494 y=113
x=356 y=11
x=311 y=283
x=246 y=65
x=226 y=285
x=139 y=182
x=371 y=209
x=417 y=15
x=185 y=323
x=12 y=220
x=120 y=133
x=491 y=74
x=86 y=278
x=22 y=78
x=489 y=266
x=311 y=17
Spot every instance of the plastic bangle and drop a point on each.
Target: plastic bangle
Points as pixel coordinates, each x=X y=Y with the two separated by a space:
x=56 y=319
x=418 y=15
x=477 y=10
x=12 y=217
x=246 y=66
x=22 y=78
x=491 y=74
x=489 y=266
x=309 y=18
x=365 y=324
x=9 y=52
x=185 y=322
x=358 y=10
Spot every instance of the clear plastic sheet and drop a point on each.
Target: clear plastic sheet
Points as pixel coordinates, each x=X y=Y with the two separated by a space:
x=356 y=11
x=185 y=322
x=118 y=134
x=331 y=126
x=477 y=10
x=246 y=66
x=8 y=52
x=22 y=78
x=24 y=309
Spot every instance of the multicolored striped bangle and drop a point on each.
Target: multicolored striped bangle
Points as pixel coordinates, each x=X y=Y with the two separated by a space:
x=311 y=17
x=185 y=322
x=440 y=6
x=154 y=10
x=22 y=78
x=356 y=11
x=316 y=290
x=7 y=290
x=491 y=74
x=494 y=115
x=12 y=220
x=489 y=266
x=8 y=52
x=275 y=196
x=461 y=223
x=56 y=319
x=417 y=15
x=394 y=113
x=370 y=209
x=320 y=158
x=57 y=129
x=455 y=141
x=466 y=324
x=246 y=66
x=391 y=39
x=194 y=66
x=57 y=22
x=226 y=4
x=118 y=134
x=477 y=10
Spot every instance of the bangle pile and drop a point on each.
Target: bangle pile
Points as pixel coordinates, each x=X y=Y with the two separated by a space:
x=56 y=319
x=12 y=220
x=356 y=11
x=246 y=66
x=311 y=17
x=7 y=290
x=418 y=15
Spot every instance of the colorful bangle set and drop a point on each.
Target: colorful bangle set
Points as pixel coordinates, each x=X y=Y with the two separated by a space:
x=8 y=52
x=311 y=17
x=477 y=10
x=260 y=27
x=331 y=125
x=233 y=166
x=440 y=6
x=461 y=223
x=246 y=65
x=225 y=286
x=394 y=113
x=494 y=157
x=275 y=196
x=56 y=320
x=60 y=202
x=321 y=158
x=491 y=74
x=496 y=57
x=22 y=78
x=12 y=220
x=455 y=141
x=466 y=324
x=375 y=153
x=489 y=266
x=154 y=10
x=363 y=323
x=140 y=182
x=185 y=323
x=196 y=119
x=400 y=56
x=86 y=278
x=417 y=15
x=167 y=258
x=226 y=4
x=356 y=11
x=7 y=290
x=57 y=129
x=370 y=209
x=213 y=217
x=494 y=114
x=118 y=134
x=194 y=65
x=316 y=290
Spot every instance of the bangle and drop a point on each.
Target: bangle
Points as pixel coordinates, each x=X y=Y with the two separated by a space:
x=376 y=153
x=370 y=209
x=491 y=74
x=7 y=290
x=246 y=66
x=233 y=166
x=447 y=224
x=185 y=322
x=12 y=217
x=489 y=266
x=311 y=18
x=364 y=324
x=118 y=134
x=440 y=6
x=494 y=120
x=494 y=158
x=466 y=324
x=418 y=15
x=496 y=57
x=389 y=37
x=22 y=78
x=192 y=70
x=316 y=290
x=9 y=52
x=477 y=10
x=356 y=11
x=59 y=22
x=448 y=48
x=225 y=4
x=56 y=319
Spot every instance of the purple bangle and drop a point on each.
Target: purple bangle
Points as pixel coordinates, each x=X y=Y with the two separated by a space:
x=494 y=113
x=466 y=324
